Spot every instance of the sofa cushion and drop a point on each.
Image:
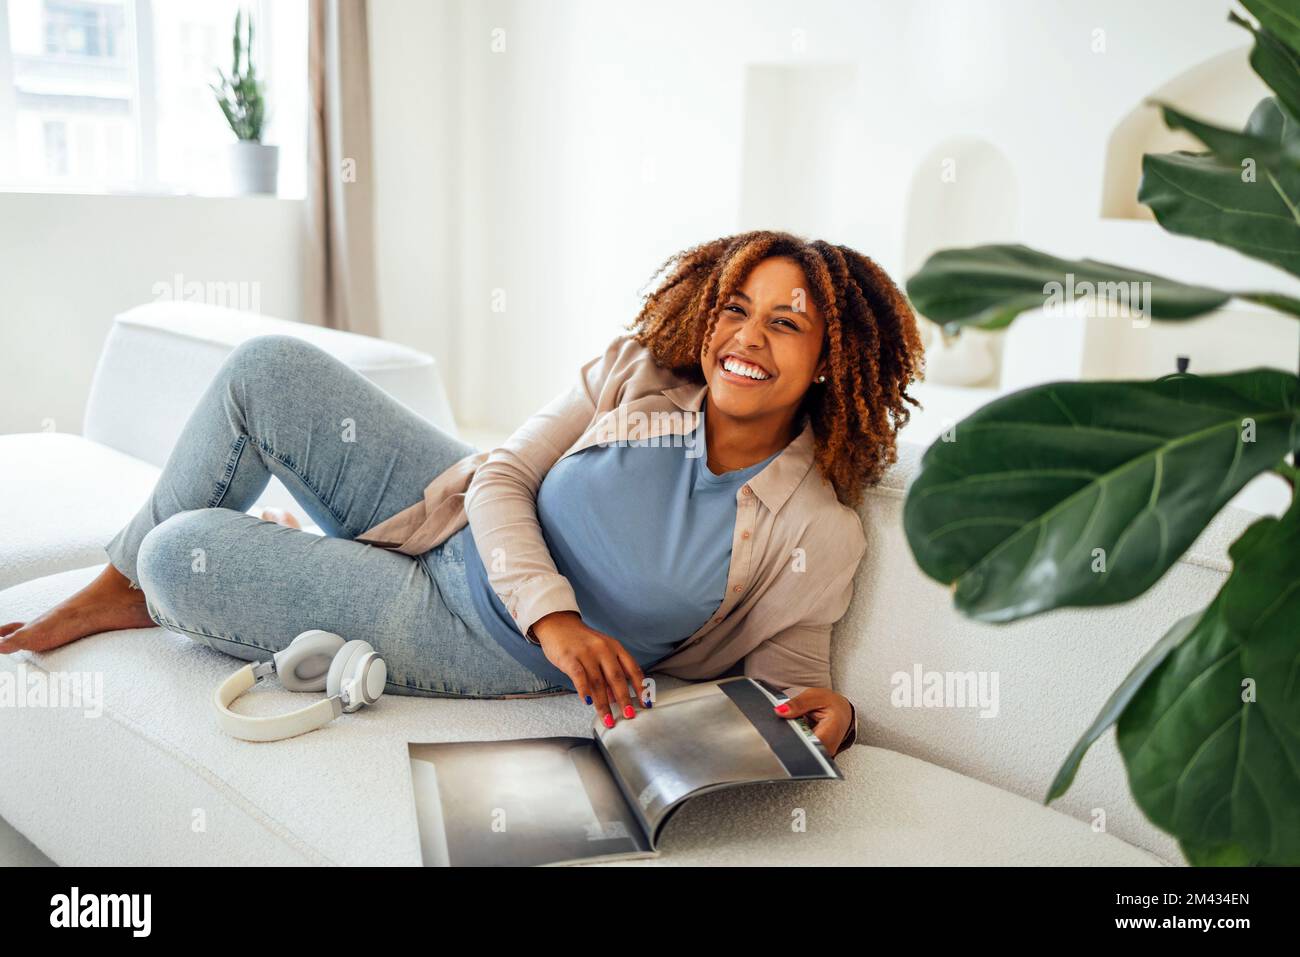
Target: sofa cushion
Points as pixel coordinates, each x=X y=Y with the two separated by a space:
x=64 y=499
x=151 y=779
x=159 y=358
x=71 y=496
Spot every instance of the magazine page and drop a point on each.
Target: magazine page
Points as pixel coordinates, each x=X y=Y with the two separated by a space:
x=705 y=736
x=564 y=800
x=528 y=802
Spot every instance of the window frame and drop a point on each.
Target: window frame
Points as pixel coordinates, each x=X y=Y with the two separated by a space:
x=8 y=99
x=139 y=32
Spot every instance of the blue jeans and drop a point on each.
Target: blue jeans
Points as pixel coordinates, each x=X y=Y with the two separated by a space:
x=351 y=455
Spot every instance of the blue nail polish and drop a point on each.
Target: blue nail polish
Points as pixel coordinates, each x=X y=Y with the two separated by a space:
x=588 y=699
x=649 y=703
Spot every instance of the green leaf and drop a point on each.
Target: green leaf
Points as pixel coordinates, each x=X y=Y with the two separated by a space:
x=988 y=286
x=231 y=118
x=1210 y=197
x=1277 y=64
x=1223 y=855
x=1269 y=121
x=1274 y=301
x=1266 y=150
x=1013 y=510
x=235 y=43
x=1280 y=17
x=1201 y=196
x=1217 y=770
x=1117 y=702
x=241 y=95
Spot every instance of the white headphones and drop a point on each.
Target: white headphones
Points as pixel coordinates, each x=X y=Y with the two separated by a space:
x=351 y=674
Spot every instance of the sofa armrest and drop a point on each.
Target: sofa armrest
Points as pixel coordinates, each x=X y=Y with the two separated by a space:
x=158 y=359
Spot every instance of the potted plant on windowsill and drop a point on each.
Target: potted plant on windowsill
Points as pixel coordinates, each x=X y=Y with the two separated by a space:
x=254 y=165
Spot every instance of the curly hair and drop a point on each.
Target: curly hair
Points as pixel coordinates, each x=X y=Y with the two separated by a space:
x=870 y=336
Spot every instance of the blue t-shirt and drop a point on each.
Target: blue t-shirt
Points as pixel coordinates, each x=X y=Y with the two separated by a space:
x=643 y=534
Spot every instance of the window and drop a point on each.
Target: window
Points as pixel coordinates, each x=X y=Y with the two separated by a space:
x=113 y=95
x=82 y=29
x=56 y=147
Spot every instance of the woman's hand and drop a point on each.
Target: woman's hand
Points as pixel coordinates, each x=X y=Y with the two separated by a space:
x=831 y=714
x=599 y=667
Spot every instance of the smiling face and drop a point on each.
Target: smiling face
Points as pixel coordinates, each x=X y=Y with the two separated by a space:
x=763 y=355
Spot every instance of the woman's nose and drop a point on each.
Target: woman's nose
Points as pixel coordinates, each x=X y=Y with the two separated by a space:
x=750 y=333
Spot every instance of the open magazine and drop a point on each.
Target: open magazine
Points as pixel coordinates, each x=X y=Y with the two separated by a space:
x=568 y=800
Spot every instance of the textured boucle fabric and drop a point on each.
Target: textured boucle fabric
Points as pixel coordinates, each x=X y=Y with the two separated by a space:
x=152 y=780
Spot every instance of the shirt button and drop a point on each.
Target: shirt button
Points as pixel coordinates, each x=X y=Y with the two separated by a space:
x=747 y=491
x=736 y=588
x=744 y=534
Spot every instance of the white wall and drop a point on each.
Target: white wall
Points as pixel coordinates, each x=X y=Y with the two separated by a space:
x=553 y=177
x=414 y=86
x=563 y=170
x=68 y=263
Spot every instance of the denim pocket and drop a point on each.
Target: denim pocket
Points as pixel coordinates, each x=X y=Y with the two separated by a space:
x=452 y=549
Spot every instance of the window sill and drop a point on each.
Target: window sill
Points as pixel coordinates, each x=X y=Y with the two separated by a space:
x=48 y=190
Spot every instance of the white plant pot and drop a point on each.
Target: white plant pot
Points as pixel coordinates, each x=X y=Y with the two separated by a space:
x=966 y=360
x=254 y=167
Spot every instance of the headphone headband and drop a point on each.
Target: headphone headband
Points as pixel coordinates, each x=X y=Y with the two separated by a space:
x=351 y=673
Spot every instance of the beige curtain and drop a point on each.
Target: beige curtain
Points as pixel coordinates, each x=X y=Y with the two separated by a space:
x=340 y=261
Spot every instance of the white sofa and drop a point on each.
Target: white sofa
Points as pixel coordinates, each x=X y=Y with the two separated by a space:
x=156 y=362
x=152 y=780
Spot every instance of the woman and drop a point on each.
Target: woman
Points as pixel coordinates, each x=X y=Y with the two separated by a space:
x=688 y=506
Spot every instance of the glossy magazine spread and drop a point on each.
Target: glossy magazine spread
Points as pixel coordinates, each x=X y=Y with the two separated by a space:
x=564 y=800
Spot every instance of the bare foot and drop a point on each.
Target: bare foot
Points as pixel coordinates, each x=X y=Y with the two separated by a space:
x=281 y=516
x=108 y=603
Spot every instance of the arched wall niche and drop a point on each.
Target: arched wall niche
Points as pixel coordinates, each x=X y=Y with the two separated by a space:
x=964 y=192
x=1222 y=89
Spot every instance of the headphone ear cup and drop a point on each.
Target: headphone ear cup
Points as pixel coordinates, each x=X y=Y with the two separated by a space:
x=372 y=677
x=342 y=666
x=305 y=664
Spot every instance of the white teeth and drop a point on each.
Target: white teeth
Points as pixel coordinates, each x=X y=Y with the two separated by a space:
x=740 y=368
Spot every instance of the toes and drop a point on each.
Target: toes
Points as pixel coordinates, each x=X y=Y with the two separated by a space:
x=9 y=629
x=281 y=516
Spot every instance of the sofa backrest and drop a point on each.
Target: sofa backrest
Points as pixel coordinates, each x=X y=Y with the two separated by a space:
x=158 y=359
x=1054 y=671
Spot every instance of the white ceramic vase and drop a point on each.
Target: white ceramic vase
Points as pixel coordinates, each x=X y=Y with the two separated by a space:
x=254 y=167
x=963 y=360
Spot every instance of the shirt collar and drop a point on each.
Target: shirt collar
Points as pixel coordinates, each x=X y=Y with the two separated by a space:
x=776 y=483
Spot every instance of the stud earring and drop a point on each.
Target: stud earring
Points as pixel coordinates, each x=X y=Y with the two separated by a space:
x=821 y=378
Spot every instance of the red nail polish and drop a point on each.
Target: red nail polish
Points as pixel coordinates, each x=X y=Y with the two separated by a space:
x=628 y=712
x=782 y=708
x=609 y=721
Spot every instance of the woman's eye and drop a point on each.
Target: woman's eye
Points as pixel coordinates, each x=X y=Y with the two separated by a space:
x=735 y=308
x=788 y=323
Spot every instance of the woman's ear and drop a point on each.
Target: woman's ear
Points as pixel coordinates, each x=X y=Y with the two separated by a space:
x=823 y=365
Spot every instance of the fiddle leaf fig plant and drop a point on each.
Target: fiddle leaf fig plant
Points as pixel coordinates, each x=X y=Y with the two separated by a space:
x=1212 y=195
x=1083 y=494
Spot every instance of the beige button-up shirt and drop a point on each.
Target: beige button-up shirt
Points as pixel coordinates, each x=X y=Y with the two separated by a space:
x=794 y=551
